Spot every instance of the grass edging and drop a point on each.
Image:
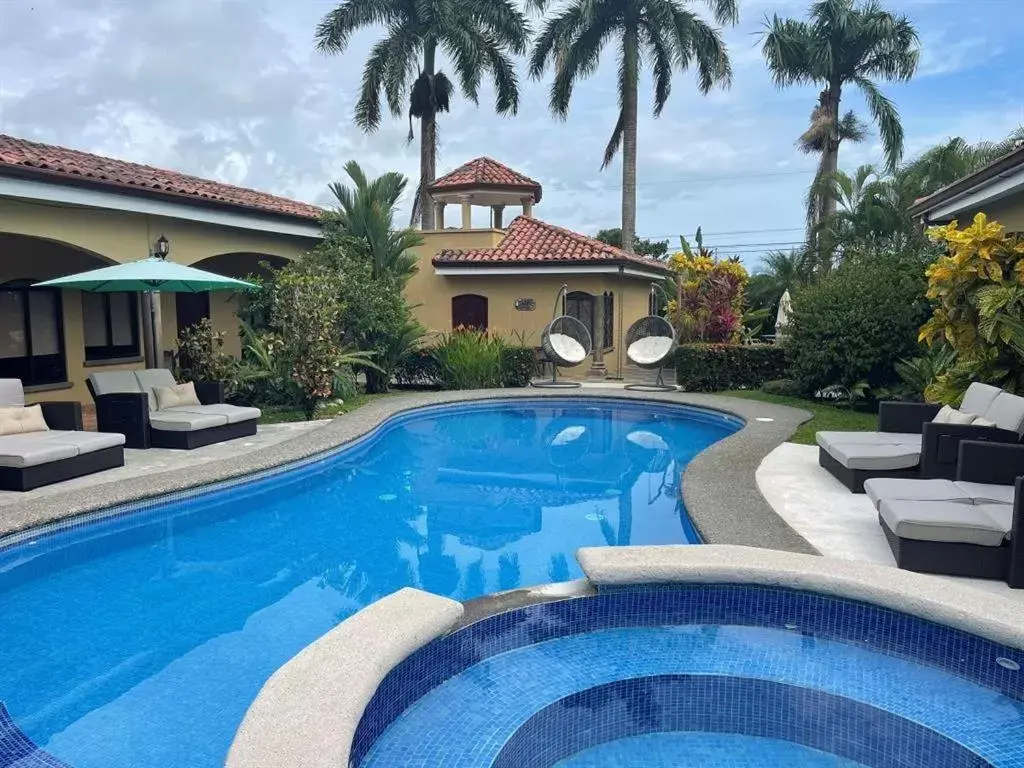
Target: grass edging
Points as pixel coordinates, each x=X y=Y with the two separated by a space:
x=825 y=416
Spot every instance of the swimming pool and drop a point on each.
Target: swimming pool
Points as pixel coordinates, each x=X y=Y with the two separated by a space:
x=140 y=640
x=711 y=675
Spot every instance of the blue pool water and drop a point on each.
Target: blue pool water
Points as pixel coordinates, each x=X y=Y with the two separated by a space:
x=140 y=641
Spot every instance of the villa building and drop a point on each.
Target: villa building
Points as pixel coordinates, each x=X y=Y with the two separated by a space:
x=63 y=211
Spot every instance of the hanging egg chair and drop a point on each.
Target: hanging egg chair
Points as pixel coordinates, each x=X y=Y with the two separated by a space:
x=650 y=342
x=566 y=342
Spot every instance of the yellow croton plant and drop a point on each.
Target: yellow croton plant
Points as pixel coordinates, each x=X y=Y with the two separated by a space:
x=978 y=291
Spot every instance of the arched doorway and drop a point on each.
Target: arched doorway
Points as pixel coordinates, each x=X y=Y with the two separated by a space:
x=469 y=310
x=580 y=305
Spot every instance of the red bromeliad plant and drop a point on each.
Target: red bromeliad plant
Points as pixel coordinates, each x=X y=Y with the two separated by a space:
x=709 y=295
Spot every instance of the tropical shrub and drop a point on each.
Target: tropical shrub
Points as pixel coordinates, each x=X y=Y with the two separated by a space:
x=783 y=387
x=978 y=292
x=305 y=315
x=921 y=372
x=518 y=365
x=708 y=305
x=419 y=368
x=469 y=359
x=714 y=367
x=200 y=354
x=849 y=328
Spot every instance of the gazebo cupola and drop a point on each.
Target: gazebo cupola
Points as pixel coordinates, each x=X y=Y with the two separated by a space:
x=483 y=182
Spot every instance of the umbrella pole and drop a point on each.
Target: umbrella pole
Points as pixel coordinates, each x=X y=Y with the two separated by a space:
x=152 y=330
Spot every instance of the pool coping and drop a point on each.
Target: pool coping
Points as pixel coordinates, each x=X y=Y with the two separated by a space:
x=719 y=486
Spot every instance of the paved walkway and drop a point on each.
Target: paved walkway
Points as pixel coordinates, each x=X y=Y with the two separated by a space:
x=836 y=522
x=140 y=463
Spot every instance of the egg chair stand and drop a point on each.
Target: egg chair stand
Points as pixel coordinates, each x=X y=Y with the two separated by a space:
x=566 y=343
x=650 y=343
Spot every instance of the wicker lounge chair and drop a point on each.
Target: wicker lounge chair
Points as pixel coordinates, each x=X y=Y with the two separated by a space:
x=970 y=526
x=909 y=444
x=38 y=451
x=126 y=403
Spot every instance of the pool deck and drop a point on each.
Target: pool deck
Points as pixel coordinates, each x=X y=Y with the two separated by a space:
x=836 y=522
x=719 y=486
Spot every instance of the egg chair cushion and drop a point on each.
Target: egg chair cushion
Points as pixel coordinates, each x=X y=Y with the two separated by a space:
x=567 y=348
x=650 y=350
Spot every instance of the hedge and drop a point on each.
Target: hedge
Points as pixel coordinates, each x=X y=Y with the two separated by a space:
x=422 y=369
x=714 y=367
x=518 y=366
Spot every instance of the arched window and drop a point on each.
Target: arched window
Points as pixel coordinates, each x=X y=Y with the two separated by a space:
x=581 y=306
x=469 y=311
x=31 y=334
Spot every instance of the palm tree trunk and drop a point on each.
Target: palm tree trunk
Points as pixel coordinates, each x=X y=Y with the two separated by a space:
x=829 y=166
x=629 y=100
x=428 y=144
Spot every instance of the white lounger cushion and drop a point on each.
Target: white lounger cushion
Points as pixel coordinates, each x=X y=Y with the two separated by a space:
x=872 y=450
x=909 y=489
x=946 y=521
x=880 y=489
x=154 y=377
x=233 y=413
x=1007 y=411
x=113 y=382
x=36 y=448
x=11 y=393
x=978 y=398
x=567 y=348
x=649 y=351
x=176 y=420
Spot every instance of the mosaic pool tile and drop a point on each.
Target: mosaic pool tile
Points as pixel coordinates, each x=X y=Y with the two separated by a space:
x=18 y=751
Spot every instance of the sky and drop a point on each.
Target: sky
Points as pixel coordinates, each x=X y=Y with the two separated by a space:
x=235 y=90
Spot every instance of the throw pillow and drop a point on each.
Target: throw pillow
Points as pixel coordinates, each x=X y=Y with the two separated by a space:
x=172 y=397
x=981 y=421
x=950 y=415
x=19 y=420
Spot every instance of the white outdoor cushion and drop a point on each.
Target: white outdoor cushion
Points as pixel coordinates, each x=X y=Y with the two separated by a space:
x=233 y=413
x=86 y=442
x=32 y=449
x=21 y=420
x=567 y=348
x=978 y=398
x=1002 y=514
x=950 y=415
x=876 y=457
x=176 y=396
x=185 y=421
x=650 y=350
x=911 y=489
x=827 y=438
x=942 y=521
x=154 y=377
x=1007 y=411
x=981 y=421
x=11 y=393
x=114 y=382
x=987 y=493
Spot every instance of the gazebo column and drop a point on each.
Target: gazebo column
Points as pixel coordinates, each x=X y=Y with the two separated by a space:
x=527 y=207
x=439 y=215
x=497 y=211
x=467 y=212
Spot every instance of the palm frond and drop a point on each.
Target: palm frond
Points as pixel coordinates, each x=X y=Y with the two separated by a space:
x=887 y=117
x=615 y=142
x=337 y=26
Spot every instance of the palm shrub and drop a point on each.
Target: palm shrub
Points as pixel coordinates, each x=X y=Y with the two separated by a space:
x=477 y=35
x=849 y=327
x=978 y=292
x=663 y=34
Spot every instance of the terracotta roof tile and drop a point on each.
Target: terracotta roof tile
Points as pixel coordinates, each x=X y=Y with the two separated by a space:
x=124 y=176
x=530 y=241
x=485 y=172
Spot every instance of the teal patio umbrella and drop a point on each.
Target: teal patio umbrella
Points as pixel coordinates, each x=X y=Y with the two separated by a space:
x=150 y=276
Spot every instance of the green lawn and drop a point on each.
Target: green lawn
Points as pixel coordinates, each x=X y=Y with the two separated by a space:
x=825 y=416
x=273 y=414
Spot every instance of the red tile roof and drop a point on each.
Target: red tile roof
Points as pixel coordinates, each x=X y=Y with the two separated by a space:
x=58 y=162
x=484 y=173
x=532 y=242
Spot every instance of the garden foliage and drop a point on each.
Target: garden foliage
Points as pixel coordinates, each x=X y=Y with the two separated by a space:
x=715 y=367
x=978 y=292
x=708 y=305
x=200 y=354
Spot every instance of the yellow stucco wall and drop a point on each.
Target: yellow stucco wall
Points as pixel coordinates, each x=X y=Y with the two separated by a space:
x=433 y=294
x=1008 y=212
x=34 y=245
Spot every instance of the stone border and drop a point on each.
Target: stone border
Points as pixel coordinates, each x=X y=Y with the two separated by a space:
x=306 y=714
x=972 y=610
x=719 y=486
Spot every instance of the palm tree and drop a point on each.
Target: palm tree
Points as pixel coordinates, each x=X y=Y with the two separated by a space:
x=476 y=35
x=844 y=43
x=367 y=211
x=662 y=32
x=952 y=160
